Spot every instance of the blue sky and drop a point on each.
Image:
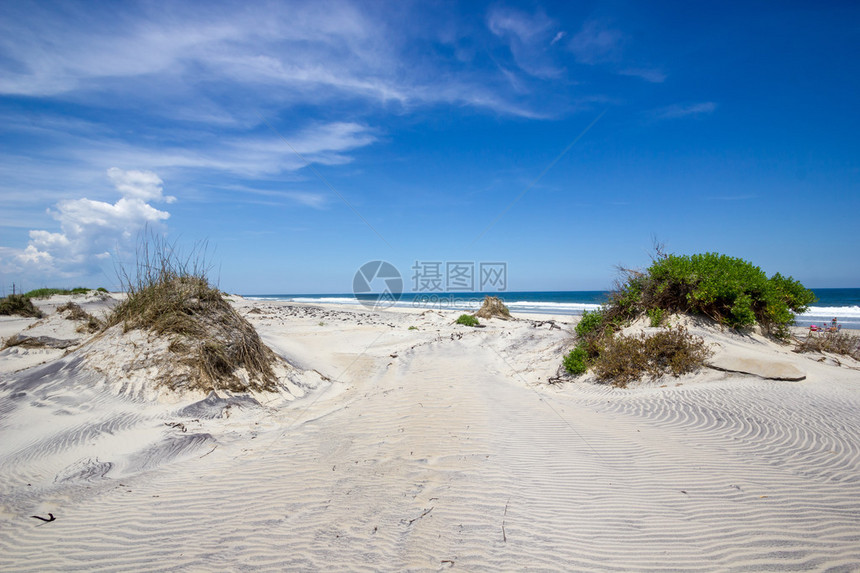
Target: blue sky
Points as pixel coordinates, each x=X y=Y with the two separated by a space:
x=305 y=139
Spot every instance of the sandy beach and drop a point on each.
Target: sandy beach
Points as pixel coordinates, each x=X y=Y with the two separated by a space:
x=402 y=441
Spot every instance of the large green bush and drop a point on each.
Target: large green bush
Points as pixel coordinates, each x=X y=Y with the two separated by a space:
x=729 y=290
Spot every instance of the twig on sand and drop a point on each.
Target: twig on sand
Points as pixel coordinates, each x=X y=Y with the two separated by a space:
x=426 y=511
x=505 y=535
x=209 y=452
x=45 y=519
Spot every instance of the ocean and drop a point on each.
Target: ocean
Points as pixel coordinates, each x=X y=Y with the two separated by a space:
x=841 y=303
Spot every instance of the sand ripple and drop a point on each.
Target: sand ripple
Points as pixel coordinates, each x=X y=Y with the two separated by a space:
x=443 y=457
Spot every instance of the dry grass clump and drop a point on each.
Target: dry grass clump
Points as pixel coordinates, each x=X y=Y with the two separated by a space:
x=833 y=342
x=37 y=342
x=493 y=307
x=22 y=341
x=75 y=312
x=172 y=297
x=20 y=305
x=624 y=359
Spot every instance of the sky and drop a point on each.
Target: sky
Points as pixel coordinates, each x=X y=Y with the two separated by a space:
x=300 y=140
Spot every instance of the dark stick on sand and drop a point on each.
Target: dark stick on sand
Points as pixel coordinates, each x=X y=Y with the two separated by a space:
x=45 y=519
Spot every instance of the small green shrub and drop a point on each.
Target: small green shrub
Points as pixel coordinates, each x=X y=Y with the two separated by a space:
x=656 y=315
x=468 y=320
x=102 y=289
x=19 y=304
x=576 y=361
x=589 y=323
x=46 y=292
x=413 y=328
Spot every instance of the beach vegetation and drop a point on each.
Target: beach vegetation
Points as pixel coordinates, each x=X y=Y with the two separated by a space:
x=48 y=292
x=19 y=304
x=839 y=342
x=102 y=289
x=493 y=307
x=730 y=291
x=170 y=295
x=590 y=322
x=576 y=361
x=413 y=328
x=655 y=315
x=73 y=311
x=467 y=320
x=672 y=351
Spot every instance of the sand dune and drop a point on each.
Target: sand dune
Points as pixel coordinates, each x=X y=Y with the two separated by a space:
x=432 y=449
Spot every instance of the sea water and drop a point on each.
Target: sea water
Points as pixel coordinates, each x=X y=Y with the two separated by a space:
x=840 y=303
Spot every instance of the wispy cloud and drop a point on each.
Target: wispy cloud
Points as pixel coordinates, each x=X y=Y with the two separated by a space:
x=652 y=75
x=529 y=37
x=297 y=53
x=676 y=111
x=596 y=43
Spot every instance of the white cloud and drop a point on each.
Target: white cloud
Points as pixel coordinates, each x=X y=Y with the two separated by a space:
x=528 y=37
x=90 y=231
x=143 y=185
x=301 y=52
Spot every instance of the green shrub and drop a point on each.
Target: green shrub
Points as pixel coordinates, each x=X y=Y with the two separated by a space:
x=728 y=290
x=46 y=292
x=576 y=361
x=413 y=328
x=467 y=320
x=102 y=289
x=19 y=304
x=589 y=323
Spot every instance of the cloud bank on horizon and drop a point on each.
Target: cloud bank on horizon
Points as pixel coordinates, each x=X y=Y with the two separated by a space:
x=276 y=122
